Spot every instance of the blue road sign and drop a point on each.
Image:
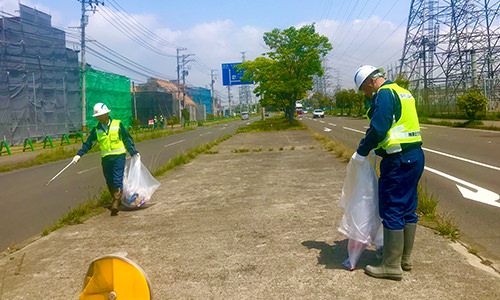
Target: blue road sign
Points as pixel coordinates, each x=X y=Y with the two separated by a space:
x=231 y=76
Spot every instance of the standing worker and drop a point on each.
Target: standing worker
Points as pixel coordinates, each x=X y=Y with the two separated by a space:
x=113 y=139
x=394 y=134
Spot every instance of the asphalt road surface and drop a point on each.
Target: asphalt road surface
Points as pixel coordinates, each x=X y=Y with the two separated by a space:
x=27 y=205
x=462 y=169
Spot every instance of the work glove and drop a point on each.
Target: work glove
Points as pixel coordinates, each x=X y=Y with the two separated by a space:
x=137 y=155
x=358 y=158
x=76 y=159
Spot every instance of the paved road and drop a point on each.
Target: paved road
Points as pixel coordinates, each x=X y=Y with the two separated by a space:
x=27 y=206
x=462 y=170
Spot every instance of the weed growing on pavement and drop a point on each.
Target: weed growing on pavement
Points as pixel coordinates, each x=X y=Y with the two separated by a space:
x=271 y=149
x=257 y=149
x=427 y=203
x=241 y=150
x=341 y=151
x=281 y=148
x=446 y=228
x=292 y=148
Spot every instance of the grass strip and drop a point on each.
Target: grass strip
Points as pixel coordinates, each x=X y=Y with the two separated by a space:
x=476 y=124
x=276 y=123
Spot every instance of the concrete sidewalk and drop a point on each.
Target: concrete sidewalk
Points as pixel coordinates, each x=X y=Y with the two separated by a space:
x=254 y=225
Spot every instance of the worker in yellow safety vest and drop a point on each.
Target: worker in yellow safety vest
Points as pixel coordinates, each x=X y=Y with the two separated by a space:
x=394 y=134
x=114 y=140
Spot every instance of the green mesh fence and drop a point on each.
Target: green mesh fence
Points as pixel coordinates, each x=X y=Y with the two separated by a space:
x=112 y=90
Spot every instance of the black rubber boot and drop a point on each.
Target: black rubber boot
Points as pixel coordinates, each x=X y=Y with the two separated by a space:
x=409 y=238
x=117 y=196
x=390 y=267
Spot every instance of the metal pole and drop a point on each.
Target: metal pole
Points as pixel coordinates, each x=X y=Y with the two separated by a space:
x=229 y=97
x=135 y=102
x=83 y=23
x=34 y=101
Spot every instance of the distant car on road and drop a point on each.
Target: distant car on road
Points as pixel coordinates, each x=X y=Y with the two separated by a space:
x=244 y=115
x=318 y=113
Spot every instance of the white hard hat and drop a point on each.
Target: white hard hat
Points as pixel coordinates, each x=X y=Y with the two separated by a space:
x=363 y=73
x=100 y=109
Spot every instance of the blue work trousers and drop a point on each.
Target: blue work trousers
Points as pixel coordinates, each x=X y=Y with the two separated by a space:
x=397 y=188
x=113 y=167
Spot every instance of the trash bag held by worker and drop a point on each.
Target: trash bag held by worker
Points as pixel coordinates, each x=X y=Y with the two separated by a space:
x=361 y=222
x=138 y=184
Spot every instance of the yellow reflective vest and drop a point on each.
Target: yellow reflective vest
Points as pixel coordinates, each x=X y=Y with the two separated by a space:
x=404 y=130
x=110 y=143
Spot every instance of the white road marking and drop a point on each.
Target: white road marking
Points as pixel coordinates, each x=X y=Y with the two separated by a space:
x=322 y=122
x=171 y=144
x=81 y=172
x=331 y=124
x=422 y=127
x=327 y=129
x=202 y=134
x=462 y=159
x=355 y=130
x=478 y=194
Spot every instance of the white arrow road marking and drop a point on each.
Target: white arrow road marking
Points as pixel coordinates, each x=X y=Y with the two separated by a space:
x=81 y=172
x=327 y=129
x=331 y=124
x=171 y=144
x=477 y=194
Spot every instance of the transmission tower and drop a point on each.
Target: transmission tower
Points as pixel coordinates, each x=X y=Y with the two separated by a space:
x=452 y=46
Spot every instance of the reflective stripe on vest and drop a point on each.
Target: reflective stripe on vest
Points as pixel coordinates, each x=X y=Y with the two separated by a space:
x=406 y=129
x=110 y=143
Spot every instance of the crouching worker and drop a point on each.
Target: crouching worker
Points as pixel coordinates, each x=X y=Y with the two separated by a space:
x=113 y=139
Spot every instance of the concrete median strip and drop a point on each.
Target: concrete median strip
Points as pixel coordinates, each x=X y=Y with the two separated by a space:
x=254 y=225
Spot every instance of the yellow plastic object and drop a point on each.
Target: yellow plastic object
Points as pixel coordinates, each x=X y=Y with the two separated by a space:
x=115 y=277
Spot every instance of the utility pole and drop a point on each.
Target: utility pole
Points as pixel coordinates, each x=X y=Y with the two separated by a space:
x=184 y=74
x=83 y=23
x=212 y=80
x=135 y=102
x=179 y=80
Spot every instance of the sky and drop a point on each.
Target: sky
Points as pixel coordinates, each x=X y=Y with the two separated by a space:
x=216 y=32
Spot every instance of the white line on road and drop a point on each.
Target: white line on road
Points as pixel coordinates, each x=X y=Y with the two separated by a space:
x=331 y=124
x=322 y=122
x=355 y=130
x=171 y=144
x=462 y=159
x=202 y=134
x=327 y=129
x=81 y=172
x=480 y=194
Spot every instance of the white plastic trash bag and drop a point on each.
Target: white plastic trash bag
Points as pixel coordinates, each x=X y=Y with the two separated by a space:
x=361 y=222
x=138 y=184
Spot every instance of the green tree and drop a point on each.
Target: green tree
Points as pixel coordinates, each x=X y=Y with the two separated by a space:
x=471 y=103
x=342 y=100
x=402 y=80
x=285 y=75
